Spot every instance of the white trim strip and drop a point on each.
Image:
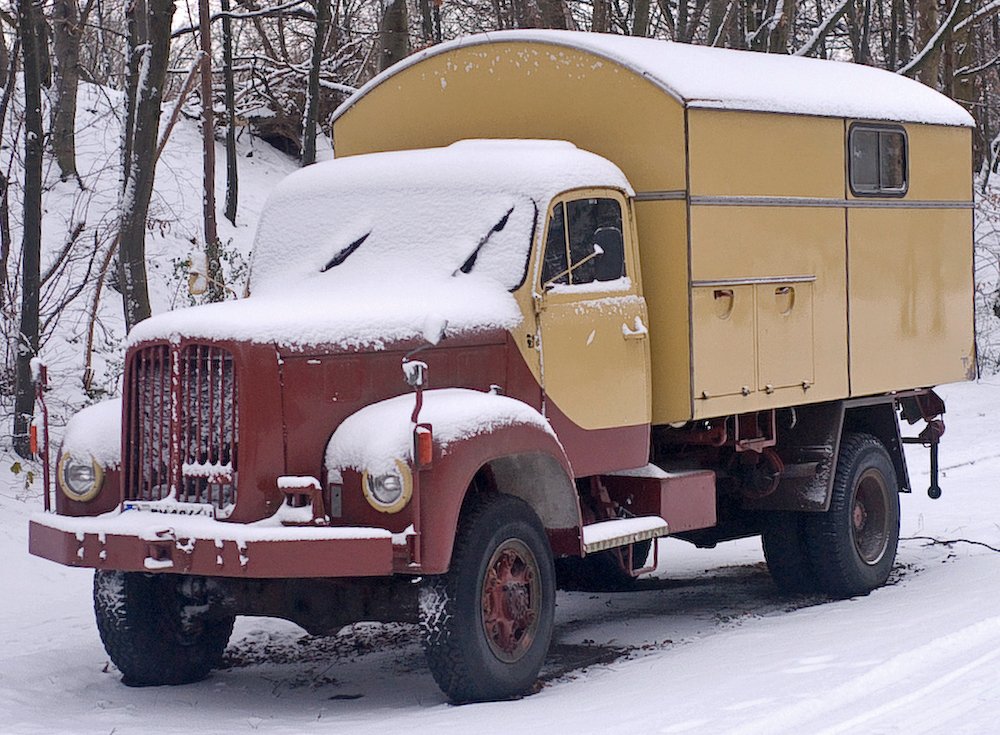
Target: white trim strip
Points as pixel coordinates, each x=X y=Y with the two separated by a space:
x=753 y=281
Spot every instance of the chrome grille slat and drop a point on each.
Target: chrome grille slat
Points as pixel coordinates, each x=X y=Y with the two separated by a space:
x=182 y=426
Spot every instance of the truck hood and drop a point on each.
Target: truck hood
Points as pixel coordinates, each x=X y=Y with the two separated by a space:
x=367 y=314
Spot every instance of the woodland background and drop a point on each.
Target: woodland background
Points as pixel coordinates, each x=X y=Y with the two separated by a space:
x=275 y=73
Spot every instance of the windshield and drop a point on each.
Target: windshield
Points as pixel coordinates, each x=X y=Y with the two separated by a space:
x=319 y=230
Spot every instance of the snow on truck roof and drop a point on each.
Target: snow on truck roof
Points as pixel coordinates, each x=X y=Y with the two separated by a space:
x=705 y=77
x=367 y=250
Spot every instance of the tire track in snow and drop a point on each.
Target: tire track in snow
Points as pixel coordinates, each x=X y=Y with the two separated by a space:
x=924 y=662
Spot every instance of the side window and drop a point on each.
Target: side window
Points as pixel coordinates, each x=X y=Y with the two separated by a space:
x=555 y=268
x=596 y=247
x=877 y=160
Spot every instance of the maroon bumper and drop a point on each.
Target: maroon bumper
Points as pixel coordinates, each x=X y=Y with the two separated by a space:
x=211 y=548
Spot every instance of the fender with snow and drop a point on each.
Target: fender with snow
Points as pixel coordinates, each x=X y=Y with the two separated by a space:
x=94 y=434
x=508 y=440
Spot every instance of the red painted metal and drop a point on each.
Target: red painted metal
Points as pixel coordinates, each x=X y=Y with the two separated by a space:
x=511 y=601
x=40 y=387
x=181 y=425
x=348 y=557
x=755 y=432
x=685 y=500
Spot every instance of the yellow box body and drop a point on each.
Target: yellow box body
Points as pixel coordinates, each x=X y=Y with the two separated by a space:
x=768 y=283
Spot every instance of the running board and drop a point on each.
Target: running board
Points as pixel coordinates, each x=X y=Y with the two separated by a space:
x=621 y=532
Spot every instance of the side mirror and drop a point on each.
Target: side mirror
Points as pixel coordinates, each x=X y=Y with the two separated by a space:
x=415 y=373
x=197 y=265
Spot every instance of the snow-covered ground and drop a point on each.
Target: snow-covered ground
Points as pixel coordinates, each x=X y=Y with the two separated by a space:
x=708 y=647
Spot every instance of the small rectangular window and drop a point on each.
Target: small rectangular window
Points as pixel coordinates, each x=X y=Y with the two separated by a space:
x=877 y=160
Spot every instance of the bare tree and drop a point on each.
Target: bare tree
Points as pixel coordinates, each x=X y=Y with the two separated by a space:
x=216 y=285
x=32 y=50
x=394 y=39
x=149 y=41
x=311 y=118
x=229 y=84
x=68 y=21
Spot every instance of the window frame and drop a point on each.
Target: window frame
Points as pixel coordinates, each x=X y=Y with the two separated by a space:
x=571 y=195
x=879 y=191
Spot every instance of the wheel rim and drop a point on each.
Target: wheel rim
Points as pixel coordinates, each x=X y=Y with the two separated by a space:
x=868 y=517
x=511 y=600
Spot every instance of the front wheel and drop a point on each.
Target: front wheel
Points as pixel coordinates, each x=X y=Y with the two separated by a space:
x=852 y=546
x=159 y=629
x=488 y=622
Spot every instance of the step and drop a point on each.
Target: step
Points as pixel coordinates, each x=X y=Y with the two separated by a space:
x=621 y=532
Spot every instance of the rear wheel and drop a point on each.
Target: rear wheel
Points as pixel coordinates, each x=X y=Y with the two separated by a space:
x=786 y=553
x=852 y=546
x=488 y=622
x=159 y=629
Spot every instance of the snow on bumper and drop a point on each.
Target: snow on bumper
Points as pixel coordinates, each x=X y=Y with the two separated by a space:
x=137 y=541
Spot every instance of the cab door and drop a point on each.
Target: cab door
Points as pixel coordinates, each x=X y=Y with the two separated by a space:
x=593 y=332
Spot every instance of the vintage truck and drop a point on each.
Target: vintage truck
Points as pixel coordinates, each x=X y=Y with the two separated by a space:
x=558 y=295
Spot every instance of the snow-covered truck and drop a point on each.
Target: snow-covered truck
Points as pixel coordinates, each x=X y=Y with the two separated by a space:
x=559 y=294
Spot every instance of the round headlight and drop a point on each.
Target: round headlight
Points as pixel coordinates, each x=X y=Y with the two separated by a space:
x=388 y=492
x=79 y=479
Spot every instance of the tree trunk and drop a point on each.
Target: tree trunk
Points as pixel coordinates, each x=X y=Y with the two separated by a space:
x=965 y=87
x=4 y=60
x=310 y=121
x=216 y=282
x=32 y=50
x=781 y=27
x=926 y=27
x=602 y=15
x=393 y=34
x=640 y=21
x=151 y=71
x=232 y=174
x=9 y=83
x=66 y=33
x=553 y=13
x=426 y=21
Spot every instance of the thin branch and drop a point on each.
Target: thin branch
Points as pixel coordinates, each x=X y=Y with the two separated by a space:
x=931 y=541
x=262 y=13
x=822 y=30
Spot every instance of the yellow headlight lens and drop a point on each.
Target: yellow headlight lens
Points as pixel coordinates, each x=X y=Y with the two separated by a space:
x=79 y=479
x=388 y=492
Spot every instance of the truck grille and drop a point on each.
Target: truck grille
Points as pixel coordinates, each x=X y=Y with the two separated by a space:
x=182 y=426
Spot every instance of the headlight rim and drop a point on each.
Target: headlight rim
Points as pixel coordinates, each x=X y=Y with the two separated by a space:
x=69 y=492
x=406 y=476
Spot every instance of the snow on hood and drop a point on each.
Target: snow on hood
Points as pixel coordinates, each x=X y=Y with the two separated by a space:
x=702 y=76
x=365 y=250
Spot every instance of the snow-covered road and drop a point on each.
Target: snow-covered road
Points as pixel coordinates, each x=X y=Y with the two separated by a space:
x=708 y=647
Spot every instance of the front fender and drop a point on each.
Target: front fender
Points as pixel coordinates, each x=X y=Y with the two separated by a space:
x=95 y=432
x=472 y=431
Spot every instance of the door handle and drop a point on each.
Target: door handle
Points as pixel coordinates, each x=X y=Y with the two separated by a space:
x=639 y=332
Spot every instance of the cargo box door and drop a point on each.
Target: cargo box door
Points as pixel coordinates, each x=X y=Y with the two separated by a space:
x=784 y=335
x=723 y=335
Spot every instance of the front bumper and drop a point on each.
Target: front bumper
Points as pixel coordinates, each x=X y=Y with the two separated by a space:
x=138 y=541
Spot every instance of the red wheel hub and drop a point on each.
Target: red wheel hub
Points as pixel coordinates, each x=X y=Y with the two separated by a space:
x=511 y=600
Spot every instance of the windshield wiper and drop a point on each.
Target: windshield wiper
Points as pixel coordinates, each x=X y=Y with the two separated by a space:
x=344 y=254
x=470 y=262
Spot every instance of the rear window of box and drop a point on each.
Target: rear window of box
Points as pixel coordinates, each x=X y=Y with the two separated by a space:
x=878 y=160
